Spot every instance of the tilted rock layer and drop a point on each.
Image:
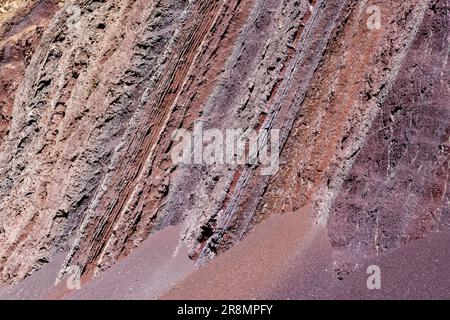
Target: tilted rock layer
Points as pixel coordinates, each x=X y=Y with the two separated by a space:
x=92 y=90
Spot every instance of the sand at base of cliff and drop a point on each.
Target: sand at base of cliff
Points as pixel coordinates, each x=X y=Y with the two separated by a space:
x=285 y=257
x=289 y=257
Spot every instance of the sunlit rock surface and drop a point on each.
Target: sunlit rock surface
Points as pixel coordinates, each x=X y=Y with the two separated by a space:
x=92 y=91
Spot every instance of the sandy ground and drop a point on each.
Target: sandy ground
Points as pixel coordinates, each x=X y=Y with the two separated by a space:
x=37 y=286
x=288 y=257
x=418 y=271
x=252 y=268
x=146 y=273
x=285 y=257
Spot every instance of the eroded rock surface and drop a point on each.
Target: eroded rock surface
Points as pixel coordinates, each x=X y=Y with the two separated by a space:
x=91 y=92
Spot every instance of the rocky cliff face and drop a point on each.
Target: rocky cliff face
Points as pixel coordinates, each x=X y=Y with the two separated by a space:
x=91 y=92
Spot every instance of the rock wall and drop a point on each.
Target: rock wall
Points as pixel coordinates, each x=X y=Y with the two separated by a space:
x=92 y=90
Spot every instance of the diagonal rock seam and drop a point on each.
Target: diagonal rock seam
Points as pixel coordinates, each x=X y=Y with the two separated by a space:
x=88 y=111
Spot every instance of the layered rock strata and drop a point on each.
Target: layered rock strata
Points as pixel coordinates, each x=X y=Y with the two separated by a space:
x=91 y=92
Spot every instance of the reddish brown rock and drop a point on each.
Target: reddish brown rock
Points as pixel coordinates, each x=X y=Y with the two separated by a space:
x=91 y=92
